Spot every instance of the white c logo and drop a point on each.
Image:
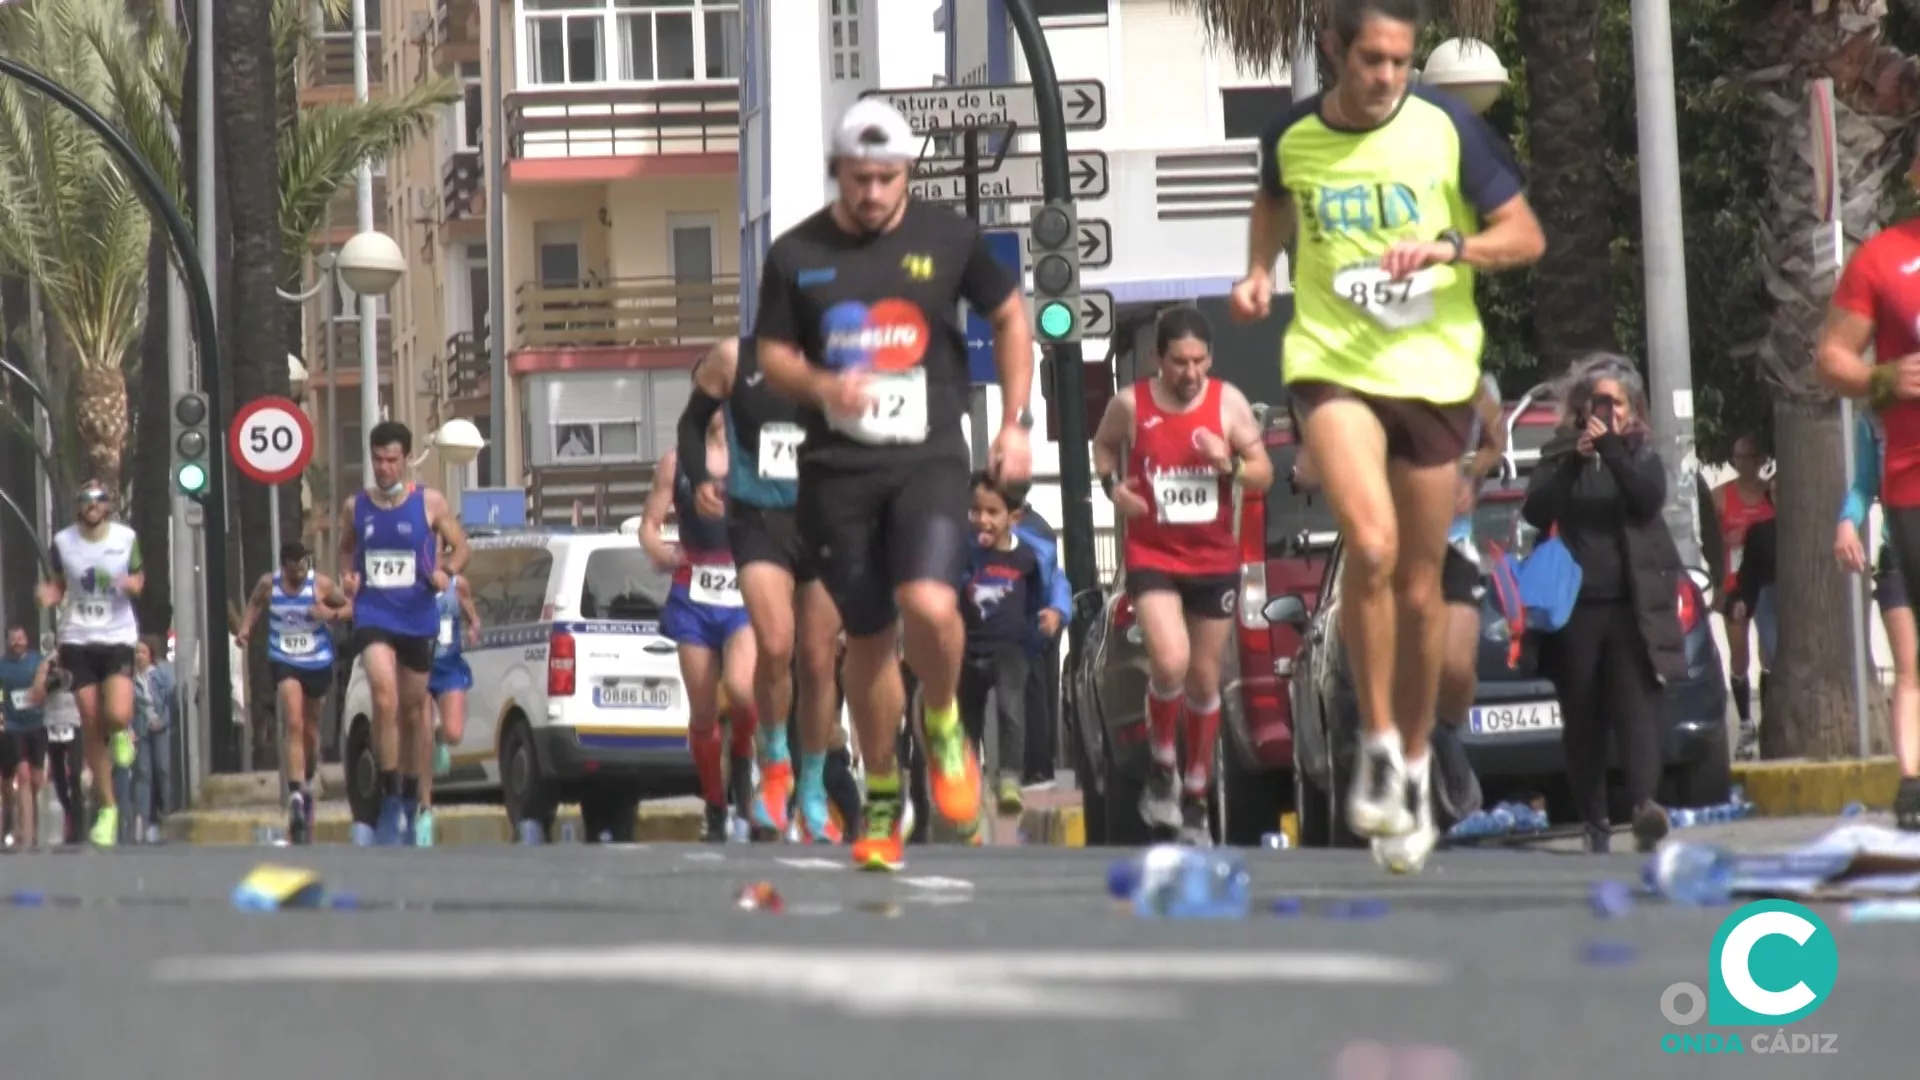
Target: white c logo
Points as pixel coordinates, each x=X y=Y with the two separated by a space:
x=1738 y=950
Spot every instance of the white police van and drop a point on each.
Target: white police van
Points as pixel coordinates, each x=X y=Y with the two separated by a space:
x=576 y=695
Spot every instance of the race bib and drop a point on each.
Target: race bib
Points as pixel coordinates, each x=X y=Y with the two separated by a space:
x=718 y=586
x=1187 y=499
x=90 y=611
x=61 y=731
x=1396 y=305
x=390 y=569
x=299 y=643
x=22 y=700
x=780 y=451
x=1734 y=558
x=446 y=631
x=898 y=413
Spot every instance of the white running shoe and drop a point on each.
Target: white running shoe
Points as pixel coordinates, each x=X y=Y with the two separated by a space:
x=1377 y=803
x=1408 y=854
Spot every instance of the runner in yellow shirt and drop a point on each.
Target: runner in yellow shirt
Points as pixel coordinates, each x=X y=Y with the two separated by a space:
x=1398 y=198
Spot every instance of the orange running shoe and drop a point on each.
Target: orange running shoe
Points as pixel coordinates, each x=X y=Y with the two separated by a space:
x=953 y=774
x=775 y=793
x=886 y=824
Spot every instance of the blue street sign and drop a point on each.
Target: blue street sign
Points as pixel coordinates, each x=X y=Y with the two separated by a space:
x=1005 y=245
x=500 y=508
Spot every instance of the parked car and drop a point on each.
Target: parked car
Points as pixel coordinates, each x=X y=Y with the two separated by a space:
x=1512 y=735
x=1287 y=535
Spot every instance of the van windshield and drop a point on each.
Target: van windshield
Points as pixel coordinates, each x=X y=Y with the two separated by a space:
x=623 y=583
x=1290 y=512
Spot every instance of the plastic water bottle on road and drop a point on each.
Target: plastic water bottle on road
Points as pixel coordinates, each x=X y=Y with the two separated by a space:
x=1697 y=875
x=1170 y=881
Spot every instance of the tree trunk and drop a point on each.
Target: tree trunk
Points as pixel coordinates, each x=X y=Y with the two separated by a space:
x=1809 y=707
x=1569 y=186
x=151 y=513
x=19 y=467
x=100 y=408
x=248 y=91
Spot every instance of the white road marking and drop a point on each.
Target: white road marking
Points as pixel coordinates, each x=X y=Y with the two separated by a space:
x=813 y=864
x=937 y=883
x=703 y=856
x=1008 y=985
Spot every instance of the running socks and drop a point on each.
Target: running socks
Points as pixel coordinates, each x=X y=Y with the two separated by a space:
x=940 y=722
x=390 y=782
x=1203 y=728
x=743 y=723
x=1163 y=724
x=813 y=773
x=706 y=748
x=773 y=744
x=884 y=785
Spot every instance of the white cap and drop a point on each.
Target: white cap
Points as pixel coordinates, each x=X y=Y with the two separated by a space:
x=873 y=130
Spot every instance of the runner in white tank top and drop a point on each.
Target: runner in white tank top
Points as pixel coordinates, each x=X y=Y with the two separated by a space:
x=95 y=571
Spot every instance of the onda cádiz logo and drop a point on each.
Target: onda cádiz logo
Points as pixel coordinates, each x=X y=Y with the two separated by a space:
x=1773 y=964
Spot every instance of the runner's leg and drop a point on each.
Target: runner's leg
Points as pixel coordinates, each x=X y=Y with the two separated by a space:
x=1423 y=502
x=1739 y=660
x=1349 y=447
x=416 y=757
x=818 y=692
x=926 y=539
x=1163 y=628
x=700 y=671
x=383 y=691
x=1207 y=642
x=775 y=791
x=293 y=754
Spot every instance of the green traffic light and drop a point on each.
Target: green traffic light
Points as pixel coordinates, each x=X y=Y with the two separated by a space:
x=193 y=479
x=1056 y=319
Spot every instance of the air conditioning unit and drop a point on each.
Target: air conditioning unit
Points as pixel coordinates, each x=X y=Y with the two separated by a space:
x=425 y=202
x=420 y=26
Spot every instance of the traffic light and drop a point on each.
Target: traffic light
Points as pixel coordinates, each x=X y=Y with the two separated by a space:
x=1055 y=229
x=192 y=443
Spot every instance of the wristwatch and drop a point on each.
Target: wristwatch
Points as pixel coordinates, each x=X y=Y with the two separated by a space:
x=1024 y=418
x=1452 y=236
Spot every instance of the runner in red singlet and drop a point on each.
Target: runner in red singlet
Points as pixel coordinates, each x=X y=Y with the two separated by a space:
x=1877 y=303
x=1742 y=503
x=1184 y=440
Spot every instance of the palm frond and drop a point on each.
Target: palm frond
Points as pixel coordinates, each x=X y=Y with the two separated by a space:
x=1262 y=35
x=296 y=27
x=321 y=153
x=138 y=67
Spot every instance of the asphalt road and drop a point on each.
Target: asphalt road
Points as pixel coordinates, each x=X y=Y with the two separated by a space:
x=1003 y=963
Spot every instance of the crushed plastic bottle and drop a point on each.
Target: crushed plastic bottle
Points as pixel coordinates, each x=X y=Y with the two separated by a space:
x=567 y=834
x=531 y=834
x=761 y=896
x=1174 y=882
x=361 y=834
x=1275 y=841
x=1696 y=875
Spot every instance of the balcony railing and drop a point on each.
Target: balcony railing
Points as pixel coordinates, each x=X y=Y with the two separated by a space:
x=605 y=495
x=627 y=313
x=346 y=343
x=330 y=60
x=624 y=122
x=464 y=368
x=343 y=210
x=463 y=187
x=456 y=33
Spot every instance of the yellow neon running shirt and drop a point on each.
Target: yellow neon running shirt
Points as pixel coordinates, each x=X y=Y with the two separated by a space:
x=1433 y=166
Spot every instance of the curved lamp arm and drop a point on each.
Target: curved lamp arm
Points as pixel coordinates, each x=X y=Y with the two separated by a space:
x=39 y=549
x=301 y=298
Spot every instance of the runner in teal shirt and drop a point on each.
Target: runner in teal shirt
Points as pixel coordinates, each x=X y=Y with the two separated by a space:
x=23 y=748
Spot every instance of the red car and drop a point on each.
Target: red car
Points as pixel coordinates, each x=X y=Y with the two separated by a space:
x=1286 y=537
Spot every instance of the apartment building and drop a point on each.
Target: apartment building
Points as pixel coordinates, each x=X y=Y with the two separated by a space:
x=620 y=220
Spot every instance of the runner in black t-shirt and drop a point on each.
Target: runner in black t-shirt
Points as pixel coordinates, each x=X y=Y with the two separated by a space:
x=858 y=321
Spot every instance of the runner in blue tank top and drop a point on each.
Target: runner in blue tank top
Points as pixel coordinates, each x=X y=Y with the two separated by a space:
x=707 y=618
x=451 y=678
x=299 y=604
x=777 y=578
x=1456 y=790
x=392 y=535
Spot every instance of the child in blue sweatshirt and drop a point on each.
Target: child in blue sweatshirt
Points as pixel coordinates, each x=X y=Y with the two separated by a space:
x=1004 y=598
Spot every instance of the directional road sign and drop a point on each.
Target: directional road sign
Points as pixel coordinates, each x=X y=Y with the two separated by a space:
x=1018 y=177
x=1096 y=313
x=939 y=109
x=1096 y=243
x=1005 y=246
x=271 y=440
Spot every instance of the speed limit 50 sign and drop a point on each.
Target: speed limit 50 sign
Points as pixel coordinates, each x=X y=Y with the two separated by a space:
x=271 y=440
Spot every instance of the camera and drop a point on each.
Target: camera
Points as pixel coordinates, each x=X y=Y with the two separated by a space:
x=58 y=678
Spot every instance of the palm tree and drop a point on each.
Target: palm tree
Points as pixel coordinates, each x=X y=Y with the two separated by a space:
x=1810 y=693
x=72 y=222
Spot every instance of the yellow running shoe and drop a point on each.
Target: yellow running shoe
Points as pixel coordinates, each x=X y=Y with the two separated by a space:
x=106 y=827
x=885 y=826
x=122 y=746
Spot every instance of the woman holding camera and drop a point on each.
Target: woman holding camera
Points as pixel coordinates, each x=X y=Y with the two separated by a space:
x=53 y=691
x=1600 y=486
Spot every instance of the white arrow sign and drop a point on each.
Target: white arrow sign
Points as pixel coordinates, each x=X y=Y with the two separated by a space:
x=941 y=109
x=1096 y=243
x=1096 y=313
x=1012 y=986
x=1018 y=177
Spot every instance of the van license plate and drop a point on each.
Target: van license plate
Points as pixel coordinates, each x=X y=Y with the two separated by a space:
x=1515 y=719
x=653 y=694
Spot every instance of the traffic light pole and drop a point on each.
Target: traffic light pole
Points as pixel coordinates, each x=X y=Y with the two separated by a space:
x=1076 y=468
x=219 y=667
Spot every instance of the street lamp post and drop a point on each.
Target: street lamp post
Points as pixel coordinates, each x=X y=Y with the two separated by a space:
x=371 y=264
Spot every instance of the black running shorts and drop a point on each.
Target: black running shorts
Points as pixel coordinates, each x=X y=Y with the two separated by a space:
x=315 y=683
x=871 y=530
x=762 y=535
x=1204 y=596
x=412 y=653
x=91 y=665
x=1460 y=580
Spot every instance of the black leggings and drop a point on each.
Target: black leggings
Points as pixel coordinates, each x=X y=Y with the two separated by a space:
x=63 y=773
x=1606 y=685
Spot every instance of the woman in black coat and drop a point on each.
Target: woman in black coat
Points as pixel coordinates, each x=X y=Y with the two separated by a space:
x=1602 y=485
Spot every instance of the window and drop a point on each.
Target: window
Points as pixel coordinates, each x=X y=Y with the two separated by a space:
x=470 y=113
x=844 y=39
x=632 y=41
x=1247 y=110
x=622 y=583
x=509 y=584
x=1064 y=9
x=609 y=419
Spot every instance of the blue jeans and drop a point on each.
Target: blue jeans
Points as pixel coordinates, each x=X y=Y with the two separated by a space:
x=152 y=772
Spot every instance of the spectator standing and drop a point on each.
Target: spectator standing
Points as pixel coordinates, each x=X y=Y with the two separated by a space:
x=153 y=700
x=1601 y=487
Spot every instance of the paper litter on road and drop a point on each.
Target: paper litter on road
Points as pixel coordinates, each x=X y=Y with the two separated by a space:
x=1850 y=861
